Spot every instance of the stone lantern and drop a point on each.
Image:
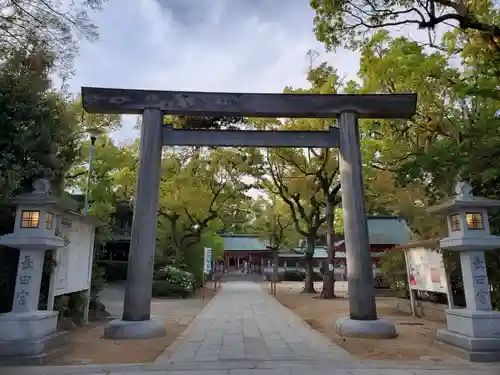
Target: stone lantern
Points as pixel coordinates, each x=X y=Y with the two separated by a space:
x=27 y=331
x=473 y=332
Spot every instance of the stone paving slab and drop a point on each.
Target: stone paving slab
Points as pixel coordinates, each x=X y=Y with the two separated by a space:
x=244 y=323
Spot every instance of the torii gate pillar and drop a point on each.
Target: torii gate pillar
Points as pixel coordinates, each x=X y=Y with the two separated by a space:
x=153 y=105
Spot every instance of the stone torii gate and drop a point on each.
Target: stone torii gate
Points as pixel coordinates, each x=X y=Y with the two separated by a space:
x=153 y=105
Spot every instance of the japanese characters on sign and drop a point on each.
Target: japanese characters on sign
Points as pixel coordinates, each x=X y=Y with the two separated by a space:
x=479 y=279
x=478 y=262
x=24 y=280
x=482 y=295
x=21 y=297
x=27 y=264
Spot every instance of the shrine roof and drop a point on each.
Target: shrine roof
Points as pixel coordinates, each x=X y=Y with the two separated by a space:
x=383 y=230
x=320 y=252
x=243 y=242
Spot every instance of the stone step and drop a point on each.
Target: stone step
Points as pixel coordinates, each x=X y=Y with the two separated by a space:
x=54 y=347
x=470 y=356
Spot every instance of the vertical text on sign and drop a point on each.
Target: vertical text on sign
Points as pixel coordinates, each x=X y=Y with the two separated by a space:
x=480 y=279
x=21 y=297
x=27 y=264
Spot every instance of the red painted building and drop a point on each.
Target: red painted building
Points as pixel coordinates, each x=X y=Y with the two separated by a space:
x=242 y=248
x=385 y=232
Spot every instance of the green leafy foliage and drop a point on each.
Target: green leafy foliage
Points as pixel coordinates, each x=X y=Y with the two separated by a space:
x=274 y=224
x=51 y=24
x=393 y=267
x=203 y=191
x=307 y=180
x=36 y=125
x=296 y=275
x=468 y=30
x=410 y=165
x=170 y=281
x=113 y=174
x=349 y=22
x=40 y=128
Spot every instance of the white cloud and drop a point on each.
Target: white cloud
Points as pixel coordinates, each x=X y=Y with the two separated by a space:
x=202 y=45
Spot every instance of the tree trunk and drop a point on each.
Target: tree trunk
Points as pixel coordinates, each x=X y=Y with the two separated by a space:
x=276 y=266
x=178 y=255
x=328 y=290
x=309 y=282
x=275 y=278
x=175 y=239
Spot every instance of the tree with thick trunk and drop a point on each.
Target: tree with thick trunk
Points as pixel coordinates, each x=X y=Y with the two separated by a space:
x=323 y=166
x=328 y=290
x=274 y=225
x=302 y=194
x=196 y=188
x=330 y=185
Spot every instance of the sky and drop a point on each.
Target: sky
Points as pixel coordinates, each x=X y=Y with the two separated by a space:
x=202 y=45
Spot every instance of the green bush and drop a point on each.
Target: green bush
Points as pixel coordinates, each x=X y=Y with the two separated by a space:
x=171 y=280
x=98 y=279
x=96 y=285
x=162 y=288
x=71 y=305
x=294 y=275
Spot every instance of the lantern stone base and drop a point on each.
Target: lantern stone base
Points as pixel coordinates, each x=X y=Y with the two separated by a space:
x=29 y=338
x=376 y=329
x=472 y=335
x=119 y=329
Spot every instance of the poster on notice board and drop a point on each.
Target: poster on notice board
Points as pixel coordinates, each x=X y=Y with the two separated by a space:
x=426 y=270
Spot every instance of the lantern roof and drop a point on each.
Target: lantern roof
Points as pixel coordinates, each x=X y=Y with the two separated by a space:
x=464 y=199
x=41 y=195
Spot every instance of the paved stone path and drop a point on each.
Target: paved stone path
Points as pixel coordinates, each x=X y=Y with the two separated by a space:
x=181 y=311
x=244 y=331
x=245 y=323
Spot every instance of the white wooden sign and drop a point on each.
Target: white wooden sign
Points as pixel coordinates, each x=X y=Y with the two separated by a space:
x=74 y=261
x=426 y=270
x=207 y=260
